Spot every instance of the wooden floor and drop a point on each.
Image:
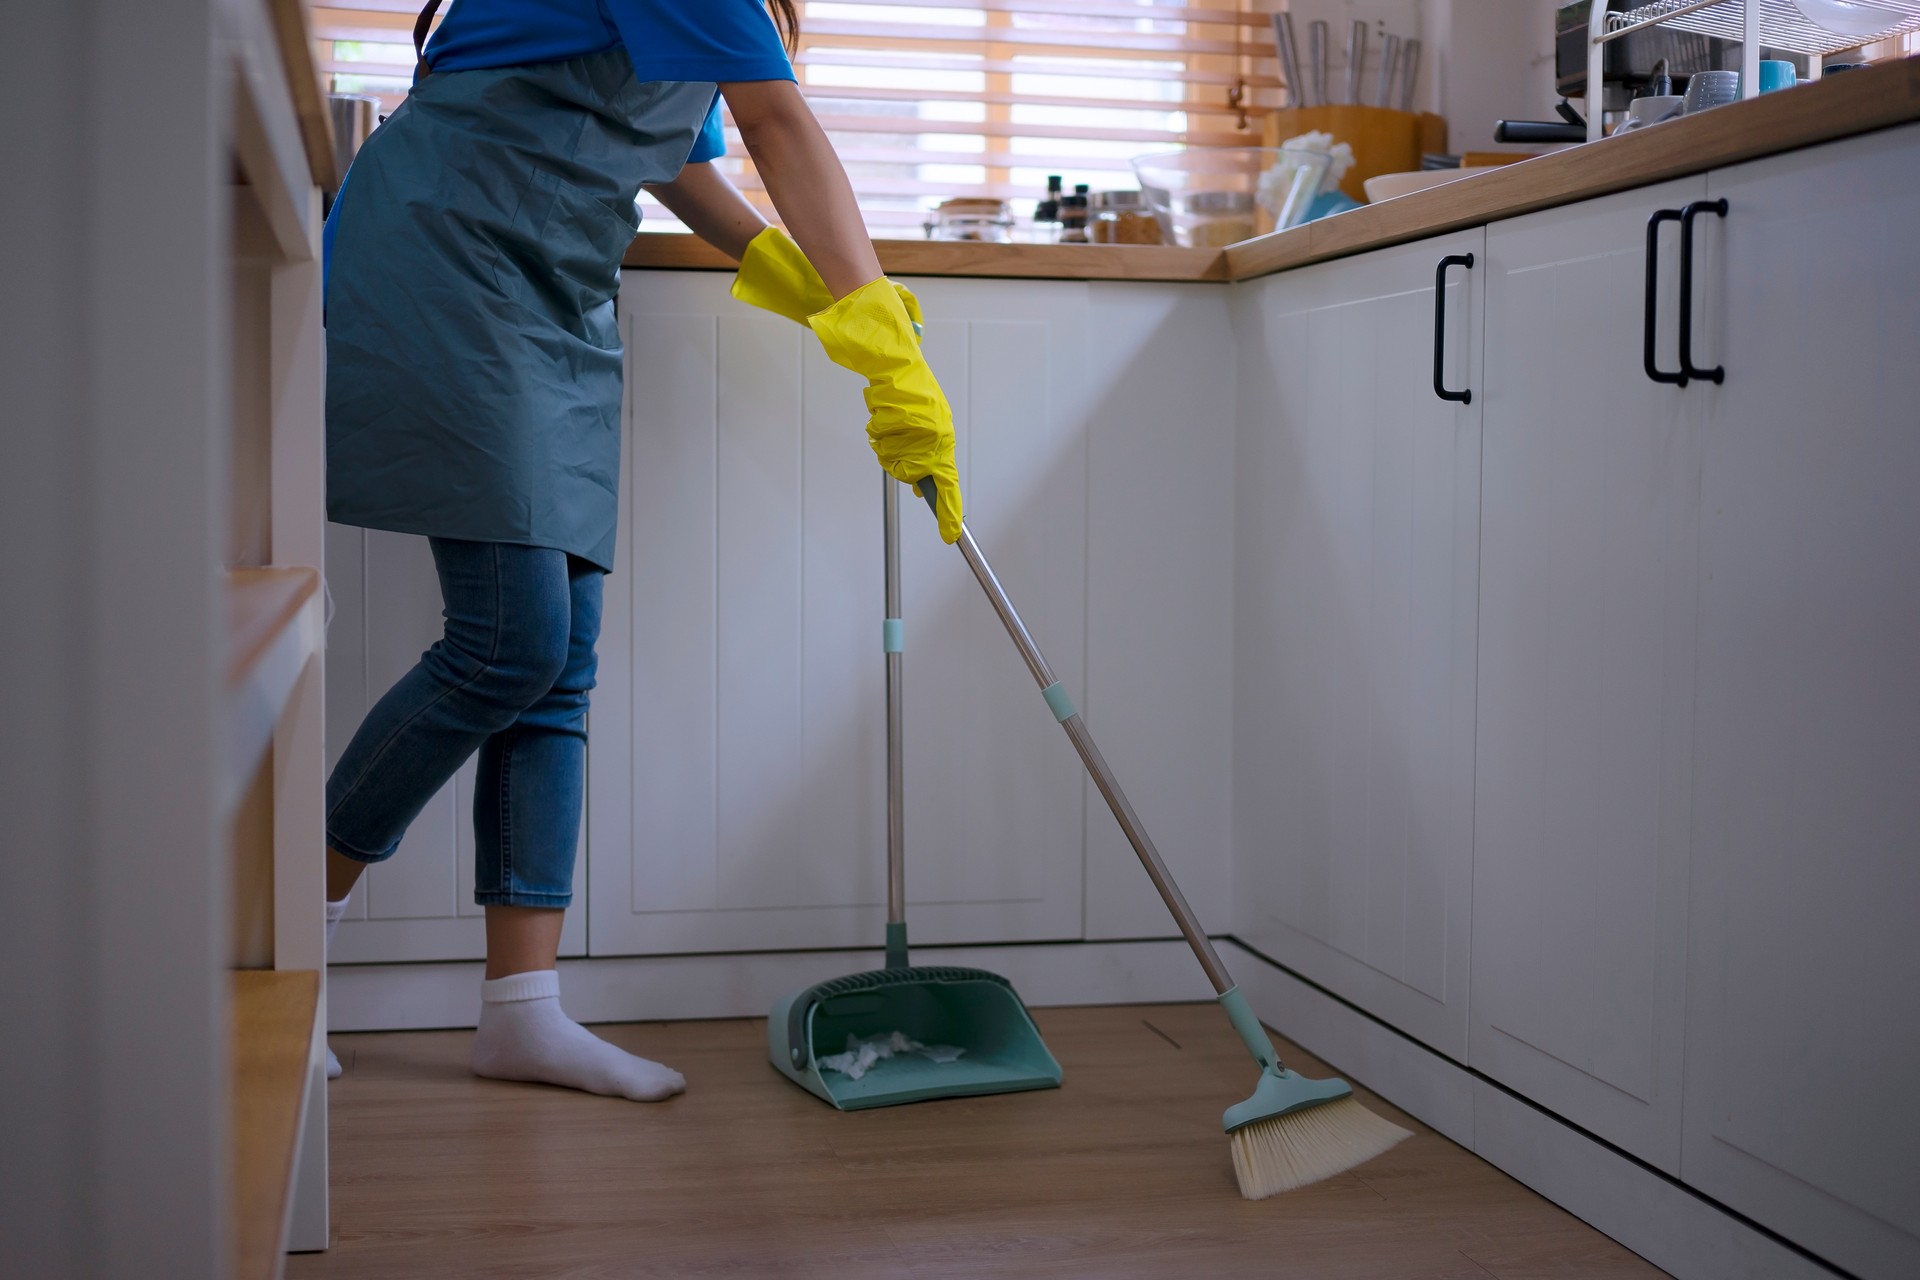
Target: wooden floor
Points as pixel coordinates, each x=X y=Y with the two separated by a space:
x=1123 y=1172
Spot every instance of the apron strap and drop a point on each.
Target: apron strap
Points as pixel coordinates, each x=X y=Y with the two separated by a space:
x=421 y=26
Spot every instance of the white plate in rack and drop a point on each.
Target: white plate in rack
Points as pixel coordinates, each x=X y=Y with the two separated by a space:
x=1849 y=18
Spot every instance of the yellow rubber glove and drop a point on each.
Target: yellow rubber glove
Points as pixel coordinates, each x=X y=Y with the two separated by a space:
x=775 y=276
x=870 y=331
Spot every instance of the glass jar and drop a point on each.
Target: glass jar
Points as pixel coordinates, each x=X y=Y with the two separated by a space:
x=1122 y=217
x=978 y=220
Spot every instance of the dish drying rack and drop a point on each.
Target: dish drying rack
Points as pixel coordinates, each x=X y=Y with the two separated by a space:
x=1775 y=24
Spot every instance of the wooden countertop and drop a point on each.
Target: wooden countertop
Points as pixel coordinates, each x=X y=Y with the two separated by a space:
x=1854 y=102
x=953 y=258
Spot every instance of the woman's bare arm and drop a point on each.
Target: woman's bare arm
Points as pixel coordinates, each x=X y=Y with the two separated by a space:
x=805 y=180
x=712 y=208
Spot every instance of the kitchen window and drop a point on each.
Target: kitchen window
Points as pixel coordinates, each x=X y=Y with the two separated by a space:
x=943 y=98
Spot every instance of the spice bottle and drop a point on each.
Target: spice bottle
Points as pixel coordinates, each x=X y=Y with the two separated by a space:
x=1073 y=216
x=1046 y=214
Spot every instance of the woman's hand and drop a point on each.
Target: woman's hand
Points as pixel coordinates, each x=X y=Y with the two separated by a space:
x=869 y=328
x=775 y=276
x=910 y=424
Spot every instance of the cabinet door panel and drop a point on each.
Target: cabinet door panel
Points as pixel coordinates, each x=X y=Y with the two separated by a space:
x=1358 y=521
x=1588 y=585
x=736 y=794
x=418 y=905
x=994 y=791
x=1804 y=1016
x=1159 y=689
x=759 y=729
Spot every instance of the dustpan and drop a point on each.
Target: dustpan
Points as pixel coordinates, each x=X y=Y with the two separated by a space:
x=939 y=1006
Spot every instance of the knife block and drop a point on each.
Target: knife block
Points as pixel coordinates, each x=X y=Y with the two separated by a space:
x=1383 y=140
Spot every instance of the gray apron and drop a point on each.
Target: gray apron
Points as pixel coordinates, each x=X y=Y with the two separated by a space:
x=473 y=358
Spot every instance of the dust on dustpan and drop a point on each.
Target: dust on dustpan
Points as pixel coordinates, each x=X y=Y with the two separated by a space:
x=862 y=1055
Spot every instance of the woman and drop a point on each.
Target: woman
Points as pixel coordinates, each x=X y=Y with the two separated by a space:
x=474 y=384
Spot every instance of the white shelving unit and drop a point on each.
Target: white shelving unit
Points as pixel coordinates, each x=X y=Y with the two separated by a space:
x=1773 y=24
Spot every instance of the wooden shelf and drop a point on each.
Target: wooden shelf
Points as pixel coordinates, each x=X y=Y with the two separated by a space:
x=274 y=625
x=281 y=139
x=293 y=30
x=262 y=605
x=272 y=1017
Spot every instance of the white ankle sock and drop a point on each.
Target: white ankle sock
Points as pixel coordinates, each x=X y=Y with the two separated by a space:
x=336 y=912
x=524 y=1035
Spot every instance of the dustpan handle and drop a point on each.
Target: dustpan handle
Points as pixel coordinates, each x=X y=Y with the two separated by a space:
x=1069 y=717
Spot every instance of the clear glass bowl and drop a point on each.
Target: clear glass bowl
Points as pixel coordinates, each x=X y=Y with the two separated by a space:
x=1207 y=197
x=971 y=219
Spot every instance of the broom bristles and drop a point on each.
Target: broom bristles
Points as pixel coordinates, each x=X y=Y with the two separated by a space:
x=1304 y=1146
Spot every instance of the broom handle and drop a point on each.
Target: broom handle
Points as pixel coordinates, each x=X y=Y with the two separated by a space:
x=1069 y=717
x=896 y=772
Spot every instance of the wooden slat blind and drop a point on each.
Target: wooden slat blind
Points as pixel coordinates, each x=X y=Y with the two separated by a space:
x=935 y=98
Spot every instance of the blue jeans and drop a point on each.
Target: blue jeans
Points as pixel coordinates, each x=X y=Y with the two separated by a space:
x=509 y=679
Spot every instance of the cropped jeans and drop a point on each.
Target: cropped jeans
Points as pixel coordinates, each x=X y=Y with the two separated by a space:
x=509 y=679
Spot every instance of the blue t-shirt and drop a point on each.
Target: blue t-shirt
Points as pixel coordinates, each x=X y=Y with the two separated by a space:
x=718 y=40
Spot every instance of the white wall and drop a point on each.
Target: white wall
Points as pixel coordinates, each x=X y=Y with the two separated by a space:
x=1492 y=60
x=1482 y=60
x=112 y=1135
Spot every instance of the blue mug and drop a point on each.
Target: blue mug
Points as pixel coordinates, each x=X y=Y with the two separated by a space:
x=1776 y=74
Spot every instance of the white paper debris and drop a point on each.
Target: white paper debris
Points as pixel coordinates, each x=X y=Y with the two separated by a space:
x=941 y=1052
x=862 y=1055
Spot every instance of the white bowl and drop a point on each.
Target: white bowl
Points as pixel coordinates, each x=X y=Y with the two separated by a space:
x=1386 y=186
x=1646 y=111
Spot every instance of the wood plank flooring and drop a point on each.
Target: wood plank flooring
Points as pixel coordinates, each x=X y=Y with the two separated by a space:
x=1123 y=1172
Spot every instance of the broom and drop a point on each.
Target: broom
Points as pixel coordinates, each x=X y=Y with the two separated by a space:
x=1292 y=1131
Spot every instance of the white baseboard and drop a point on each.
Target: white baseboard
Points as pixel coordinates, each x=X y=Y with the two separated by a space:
x=1672 y=1227
x=413 y=997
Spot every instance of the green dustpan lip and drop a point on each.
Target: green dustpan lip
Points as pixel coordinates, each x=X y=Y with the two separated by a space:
x=1279 y=1093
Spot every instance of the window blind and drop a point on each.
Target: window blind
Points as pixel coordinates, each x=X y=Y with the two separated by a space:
x=940 y=98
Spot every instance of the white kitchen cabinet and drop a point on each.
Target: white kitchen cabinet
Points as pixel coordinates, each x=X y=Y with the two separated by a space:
x=1588 y=586
x=1804 y=980
x=736 y=773
x=417 y=905
x=1357 y=514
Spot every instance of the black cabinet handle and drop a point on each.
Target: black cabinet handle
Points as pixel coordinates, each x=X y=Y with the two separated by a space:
x=1654 y=371
x=1718 y=373
x=1440 y=327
